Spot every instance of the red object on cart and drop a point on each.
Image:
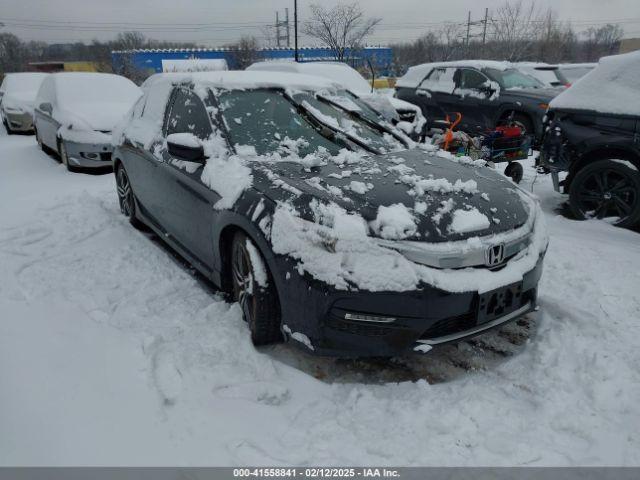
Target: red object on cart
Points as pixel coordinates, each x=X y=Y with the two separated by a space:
x=508 y=131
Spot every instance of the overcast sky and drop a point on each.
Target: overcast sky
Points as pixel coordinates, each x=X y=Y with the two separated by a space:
x=215 y=22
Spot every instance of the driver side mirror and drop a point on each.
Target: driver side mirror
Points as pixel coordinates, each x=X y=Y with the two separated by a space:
x=46 y=107
x=186 y=146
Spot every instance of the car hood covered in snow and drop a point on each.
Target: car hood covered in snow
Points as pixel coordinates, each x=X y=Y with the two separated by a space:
x=445 y=197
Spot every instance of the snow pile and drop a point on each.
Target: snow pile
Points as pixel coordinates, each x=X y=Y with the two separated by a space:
x=468 y=221
x=612 y=87
x=394 y=222
x=227 y=175
x=84 y=136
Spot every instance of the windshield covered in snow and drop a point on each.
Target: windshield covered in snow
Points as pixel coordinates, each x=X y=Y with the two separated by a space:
x=266 y=120
x=348 y=101
x=512 y=78
x=342 y=120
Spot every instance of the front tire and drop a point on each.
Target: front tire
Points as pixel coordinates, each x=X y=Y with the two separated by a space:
x=126 y=198
x=607 y=189
x=64 y=158
x=254 y=290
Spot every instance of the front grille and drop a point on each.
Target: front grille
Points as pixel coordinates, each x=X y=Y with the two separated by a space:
x=451 y=325
x=357 y=328
x=105 y=156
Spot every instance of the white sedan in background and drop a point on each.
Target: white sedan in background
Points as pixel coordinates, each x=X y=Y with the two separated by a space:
x=17 y=96
x=404 y=115
x=76 y=112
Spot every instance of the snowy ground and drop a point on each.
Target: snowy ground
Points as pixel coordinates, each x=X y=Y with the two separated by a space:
x=113 y=352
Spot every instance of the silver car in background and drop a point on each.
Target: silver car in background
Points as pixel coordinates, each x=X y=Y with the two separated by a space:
x=17 y=96
x=75 y=113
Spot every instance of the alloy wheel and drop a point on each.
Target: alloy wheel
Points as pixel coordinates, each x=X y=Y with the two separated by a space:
x=125 y=194
x=243 y=281
x=607 y=193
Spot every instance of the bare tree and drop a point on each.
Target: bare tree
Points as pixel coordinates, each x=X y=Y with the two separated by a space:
x=11 y=53
x=601 y=41
x=342 y=28
x=244 y=52
x=515 y=27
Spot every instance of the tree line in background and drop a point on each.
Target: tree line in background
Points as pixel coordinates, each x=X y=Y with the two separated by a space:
x=515 y=31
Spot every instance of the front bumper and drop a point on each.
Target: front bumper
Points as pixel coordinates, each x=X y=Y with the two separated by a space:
x=88 y=155
x=19 y=122
x=425 y=316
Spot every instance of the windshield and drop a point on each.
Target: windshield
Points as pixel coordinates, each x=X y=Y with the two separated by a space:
x=269 y=122
x=512 y=78
x=82 y=88
x=348 y=101
x=341 y=120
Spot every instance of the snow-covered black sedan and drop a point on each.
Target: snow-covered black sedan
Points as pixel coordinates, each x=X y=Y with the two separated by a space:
x=327 y=227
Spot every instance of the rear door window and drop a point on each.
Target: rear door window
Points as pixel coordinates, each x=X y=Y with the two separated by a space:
x=440 y=80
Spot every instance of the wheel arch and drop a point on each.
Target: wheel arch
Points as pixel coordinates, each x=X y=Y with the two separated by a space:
x=602 y=152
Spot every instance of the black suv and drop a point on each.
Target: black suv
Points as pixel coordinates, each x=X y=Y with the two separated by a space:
x=601 y=153
x=487 y=94
x=593 y=134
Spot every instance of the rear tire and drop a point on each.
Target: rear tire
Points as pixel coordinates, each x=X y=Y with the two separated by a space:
x=607 y=189
x=259 y=303
x=126 y=198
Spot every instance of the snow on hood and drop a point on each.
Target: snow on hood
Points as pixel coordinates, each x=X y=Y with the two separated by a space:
x=99 y=116
x=612 y=87
x=335 y=248
x=428 y=187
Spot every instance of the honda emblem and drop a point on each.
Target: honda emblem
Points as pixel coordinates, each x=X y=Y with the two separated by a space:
x=494 y=255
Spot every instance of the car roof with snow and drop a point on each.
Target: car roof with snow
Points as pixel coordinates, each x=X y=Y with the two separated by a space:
x=417 y=73
x=340 y=72
x=248 y=80
x=612 y=87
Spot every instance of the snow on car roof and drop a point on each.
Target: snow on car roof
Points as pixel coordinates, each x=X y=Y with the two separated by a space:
x=417 y=73
x=612 y=87
x=92 y=87
x=337 y=71
x=250 y=79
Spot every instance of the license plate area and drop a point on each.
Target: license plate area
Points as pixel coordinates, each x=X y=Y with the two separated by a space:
x=500 y=302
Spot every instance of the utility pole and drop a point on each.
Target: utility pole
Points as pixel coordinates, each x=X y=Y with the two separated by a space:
x=468 y=30
x=295 y=28
x=286 y=14
x=484 y=32
x=279 y=24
